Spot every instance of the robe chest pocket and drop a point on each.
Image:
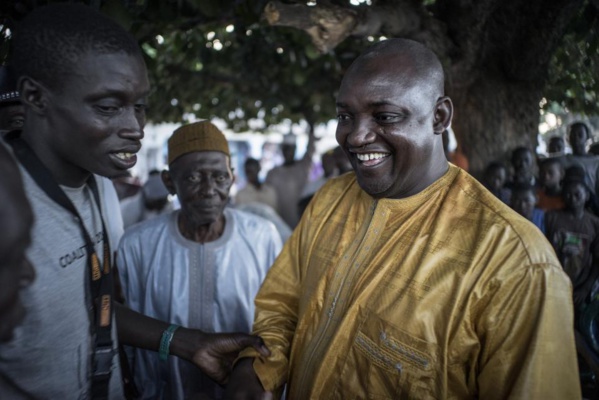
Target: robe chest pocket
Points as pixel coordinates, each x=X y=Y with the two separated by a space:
x=384 y=362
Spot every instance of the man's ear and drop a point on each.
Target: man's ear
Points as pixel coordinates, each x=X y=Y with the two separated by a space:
x=168 y=181
x=443 y=114
x=33 y=94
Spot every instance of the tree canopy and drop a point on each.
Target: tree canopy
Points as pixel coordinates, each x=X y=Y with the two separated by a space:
x=276 y=60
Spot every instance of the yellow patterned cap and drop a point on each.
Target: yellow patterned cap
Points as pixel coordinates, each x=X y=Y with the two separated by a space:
x=199 y=136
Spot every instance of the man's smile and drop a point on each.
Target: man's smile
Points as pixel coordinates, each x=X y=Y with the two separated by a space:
x=371 y=156
x=124 y=156
x=124 y=160
x=371 y=159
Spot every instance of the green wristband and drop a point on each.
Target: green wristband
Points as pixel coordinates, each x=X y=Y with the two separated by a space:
x=165 y=341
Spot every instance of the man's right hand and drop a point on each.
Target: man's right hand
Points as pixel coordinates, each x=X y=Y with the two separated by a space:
x=214 y=353
x=244 y=383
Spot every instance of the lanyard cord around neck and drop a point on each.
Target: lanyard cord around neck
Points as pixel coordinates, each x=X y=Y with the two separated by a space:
x=100 y=279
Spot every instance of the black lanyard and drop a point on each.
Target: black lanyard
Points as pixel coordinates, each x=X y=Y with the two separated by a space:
x=100 y=277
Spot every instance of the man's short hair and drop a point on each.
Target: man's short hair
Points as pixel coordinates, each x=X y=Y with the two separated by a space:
x=50 y=41
x=580 y=124
x=424 y=62
x=550 y=161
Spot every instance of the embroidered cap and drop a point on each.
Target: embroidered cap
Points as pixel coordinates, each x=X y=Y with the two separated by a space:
x=199 y=136
x=8 y=86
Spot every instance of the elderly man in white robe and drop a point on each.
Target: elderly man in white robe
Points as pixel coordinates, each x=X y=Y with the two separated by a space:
x=200 y=266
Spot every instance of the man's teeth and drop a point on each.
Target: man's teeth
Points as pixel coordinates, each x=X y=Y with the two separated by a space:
x=371 y=156
x=124 y=156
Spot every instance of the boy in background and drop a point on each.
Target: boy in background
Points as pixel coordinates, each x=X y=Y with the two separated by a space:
x=523 y=202
x=574 y=233
x=549 y=194
x=494 y=179
x=522 y=164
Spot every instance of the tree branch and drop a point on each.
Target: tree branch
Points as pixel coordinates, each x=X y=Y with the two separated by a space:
x=328 y=24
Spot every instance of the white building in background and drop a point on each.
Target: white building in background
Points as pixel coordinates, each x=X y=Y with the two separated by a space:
x=261 y=146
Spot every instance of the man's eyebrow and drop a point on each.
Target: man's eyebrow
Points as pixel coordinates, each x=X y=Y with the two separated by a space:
x=371 y=104
x=382 y=103
x=117 y=93
x=207 y=168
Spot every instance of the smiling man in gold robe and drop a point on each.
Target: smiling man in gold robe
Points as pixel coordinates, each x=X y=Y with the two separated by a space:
x=407 y=279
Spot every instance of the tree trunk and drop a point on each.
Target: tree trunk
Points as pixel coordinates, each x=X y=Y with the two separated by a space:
x=492 y=116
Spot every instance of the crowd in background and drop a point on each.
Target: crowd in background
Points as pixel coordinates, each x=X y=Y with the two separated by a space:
x=190 y=258
x=558 y=193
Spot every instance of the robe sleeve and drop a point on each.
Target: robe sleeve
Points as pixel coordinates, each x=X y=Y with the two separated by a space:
x=527 y=337
x=277 y=305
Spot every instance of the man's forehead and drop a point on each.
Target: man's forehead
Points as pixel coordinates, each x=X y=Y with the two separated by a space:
x=385 y=79
x=380 y=90
x=93 y=64
x=380 y=69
